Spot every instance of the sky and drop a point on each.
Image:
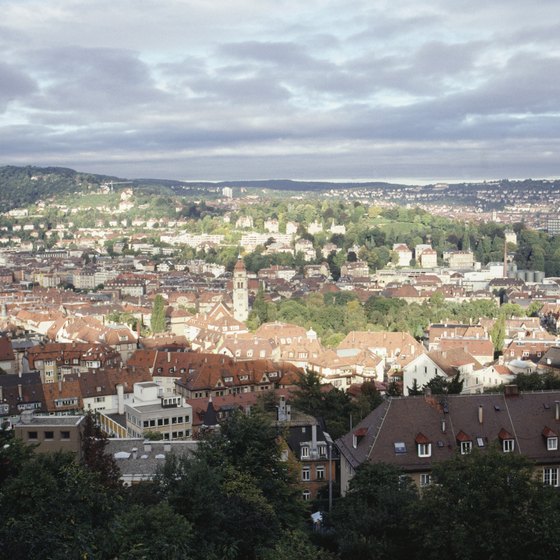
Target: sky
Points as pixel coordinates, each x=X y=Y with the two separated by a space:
x=392 y=90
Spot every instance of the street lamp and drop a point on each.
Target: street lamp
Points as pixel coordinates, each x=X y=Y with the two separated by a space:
x=329 y=441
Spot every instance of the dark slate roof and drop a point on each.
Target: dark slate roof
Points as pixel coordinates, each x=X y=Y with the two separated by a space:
x=210 y=416
x=31 y=391
x=446 y=421
x=551 y=358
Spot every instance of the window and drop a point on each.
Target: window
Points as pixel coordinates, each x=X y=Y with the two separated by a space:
x=508 y=445
x=320 y=472
x=31 y=435
x=65 y=435
x=424 y=450
x=425 y=480
x=49 y=435
x=480 y=441
x=550 y=476
x=305 y=452
x=466 y=447
x=552 y=443
x=306 y=495
x=306 y=473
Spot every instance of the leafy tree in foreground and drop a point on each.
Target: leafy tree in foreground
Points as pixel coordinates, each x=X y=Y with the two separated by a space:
x=55 y=509
x=487 y=506
x=371 y=521
x=236 y=493
x=94 y=457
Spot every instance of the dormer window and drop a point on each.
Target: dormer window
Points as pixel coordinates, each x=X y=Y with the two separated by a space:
x=551 y=439
x=305 y=452
x=358 y=436
x=466 y=447
x=423 y=445
x=508 y=442
x=465 y=442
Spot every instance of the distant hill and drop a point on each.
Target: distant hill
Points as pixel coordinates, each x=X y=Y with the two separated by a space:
x=20 y=186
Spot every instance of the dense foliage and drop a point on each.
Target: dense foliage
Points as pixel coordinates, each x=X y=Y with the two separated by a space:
x=334 y=405
x=484 y=506
x=235 y=498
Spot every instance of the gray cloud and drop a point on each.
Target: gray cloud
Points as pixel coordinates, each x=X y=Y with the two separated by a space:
x=241 y=89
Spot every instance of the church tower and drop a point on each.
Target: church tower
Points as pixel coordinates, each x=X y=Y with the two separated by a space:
x=240 y=292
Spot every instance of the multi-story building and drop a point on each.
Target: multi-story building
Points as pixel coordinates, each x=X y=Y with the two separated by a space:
x=413 y=433
x=51 y=433
x=56 y=360
x=150 y=411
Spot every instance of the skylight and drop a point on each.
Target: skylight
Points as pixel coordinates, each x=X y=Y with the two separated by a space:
x=400 y=447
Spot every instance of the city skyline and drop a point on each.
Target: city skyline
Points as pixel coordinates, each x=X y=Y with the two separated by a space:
x=245 y=91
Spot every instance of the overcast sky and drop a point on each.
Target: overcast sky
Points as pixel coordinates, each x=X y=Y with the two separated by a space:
x=303 y=89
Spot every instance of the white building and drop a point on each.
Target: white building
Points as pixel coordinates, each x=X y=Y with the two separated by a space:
x=150 y=411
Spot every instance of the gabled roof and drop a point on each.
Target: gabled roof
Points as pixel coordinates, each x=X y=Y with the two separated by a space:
x=445 y=421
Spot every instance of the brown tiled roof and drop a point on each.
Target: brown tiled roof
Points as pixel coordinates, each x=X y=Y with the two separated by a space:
x=421 y=438
x=6 y=351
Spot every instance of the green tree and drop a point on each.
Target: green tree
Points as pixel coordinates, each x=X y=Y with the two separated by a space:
x=154 y=531
x=415 y=390
x=498 y=333
x=158 y=314
x=54 y=508
x=371 y=521
x=94 y=458
x=499 y=511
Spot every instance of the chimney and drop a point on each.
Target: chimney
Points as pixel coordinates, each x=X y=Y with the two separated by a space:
x=168 y=357
x=134 y=452
x=20 y=390
x=167 y=447
x=120 y=398
x=511 y=391
x=480 y=414
x=147 y=447
x=60 y=385
x=314 y=452
x=557 y=410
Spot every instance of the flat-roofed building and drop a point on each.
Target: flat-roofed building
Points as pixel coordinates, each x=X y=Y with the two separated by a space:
x=151 y=411
x=51 y=433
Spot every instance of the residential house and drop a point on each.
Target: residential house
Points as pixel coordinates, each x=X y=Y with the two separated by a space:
x=8 y=361
x=396 y=348
x=413 y=433
x=57 y=360
x=447 y=364
x=403 y=253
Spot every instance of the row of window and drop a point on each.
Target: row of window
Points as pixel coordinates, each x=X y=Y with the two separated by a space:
x=550 y=477
x=153 y=422
x=321 y=449
x=48 y=435
x=465 y=447
x=230 y=391
x=319 y=473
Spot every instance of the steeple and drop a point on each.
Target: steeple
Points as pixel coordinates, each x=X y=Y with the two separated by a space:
x=240 y=291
